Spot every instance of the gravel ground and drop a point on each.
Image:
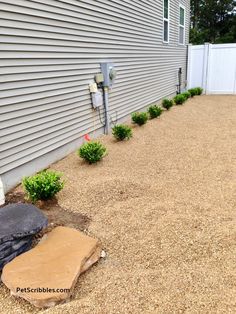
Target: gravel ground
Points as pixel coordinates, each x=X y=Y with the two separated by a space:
x=163 y=205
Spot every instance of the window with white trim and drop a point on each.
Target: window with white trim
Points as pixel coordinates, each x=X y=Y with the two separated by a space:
x=181 y=25
x=166 y=21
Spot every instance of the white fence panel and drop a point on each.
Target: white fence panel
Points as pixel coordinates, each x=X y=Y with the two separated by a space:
x=213 y=67
x=195 y=65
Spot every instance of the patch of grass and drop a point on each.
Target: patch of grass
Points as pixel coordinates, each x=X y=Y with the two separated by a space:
x=179 y=99
x=167 y=103
x=43 y=186
x=139 y=118
x=154 y=111
x=122 y=132
x=92 y=152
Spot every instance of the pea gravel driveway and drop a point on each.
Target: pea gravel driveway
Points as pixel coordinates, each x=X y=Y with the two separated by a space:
x=164 y=207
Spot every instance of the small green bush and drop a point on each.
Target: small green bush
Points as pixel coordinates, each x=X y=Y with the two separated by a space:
x=139 y=118
x=167 y=103
x=186 y=94
x=43 y=186
x=92 y=152
x=199 y=90
x=179 y=99
x=122 y=132
x=193 y=92
x=154 y=111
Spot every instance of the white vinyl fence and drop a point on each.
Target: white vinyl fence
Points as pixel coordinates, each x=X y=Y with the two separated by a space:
x=212 y=67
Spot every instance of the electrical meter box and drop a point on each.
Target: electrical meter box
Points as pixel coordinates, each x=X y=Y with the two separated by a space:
x=109 y=73
x=97 y=99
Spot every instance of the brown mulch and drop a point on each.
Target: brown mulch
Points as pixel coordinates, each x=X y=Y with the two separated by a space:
x=163 y=205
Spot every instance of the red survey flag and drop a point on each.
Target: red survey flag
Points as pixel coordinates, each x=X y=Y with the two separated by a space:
x=87 y=138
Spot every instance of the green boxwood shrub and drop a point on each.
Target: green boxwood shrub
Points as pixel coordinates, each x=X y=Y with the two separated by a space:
x=199 y=90
x=167 y=103
x=139 y=118
x=195 y=91
x=186 y=94
x=43 y=186
x=92 y=152
x=179 y=99
x=154 y=111
x=192 y=92
x=122 y=132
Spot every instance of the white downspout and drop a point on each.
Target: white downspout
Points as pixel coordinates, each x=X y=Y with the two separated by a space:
x=2 y=195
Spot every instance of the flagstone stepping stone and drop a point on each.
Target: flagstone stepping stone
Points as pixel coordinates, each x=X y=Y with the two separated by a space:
x=20 y=220
x=11 y=249
x=18 y=224
x=53 y=266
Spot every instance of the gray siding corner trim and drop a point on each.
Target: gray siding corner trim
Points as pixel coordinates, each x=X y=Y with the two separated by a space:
x=50 y=52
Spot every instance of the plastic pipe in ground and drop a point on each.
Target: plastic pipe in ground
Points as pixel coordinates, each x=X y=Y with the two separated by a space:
x=2 y=195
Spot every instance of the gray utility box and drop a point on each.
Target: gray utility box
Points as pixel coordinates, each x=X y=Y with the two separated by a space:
x=109 y=73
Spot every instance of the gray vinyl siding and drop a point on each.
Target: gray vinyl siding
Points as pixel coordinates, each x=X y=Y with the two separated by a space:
x=50 y=52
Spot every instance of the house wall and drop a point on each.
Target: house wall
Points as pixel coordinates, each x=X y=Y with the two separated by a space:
x=50 y=52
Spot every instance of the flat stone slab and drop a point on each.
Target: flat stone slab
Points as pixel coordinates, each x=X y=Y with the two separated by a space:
x=53 y=266
x=10 y=249
x=20 y=220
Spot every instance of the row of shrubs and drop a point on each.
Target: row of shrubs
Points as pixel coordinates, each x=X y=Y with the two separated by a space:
x=46 y=184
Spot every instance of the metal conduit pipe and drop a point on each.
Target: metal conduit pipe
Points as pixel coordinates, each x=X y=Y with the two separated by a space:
x=106 y=107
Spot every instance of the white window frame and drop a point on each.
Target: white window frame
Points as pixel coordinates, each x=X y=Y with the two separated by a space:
x=166 y=20
x=182 y=26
